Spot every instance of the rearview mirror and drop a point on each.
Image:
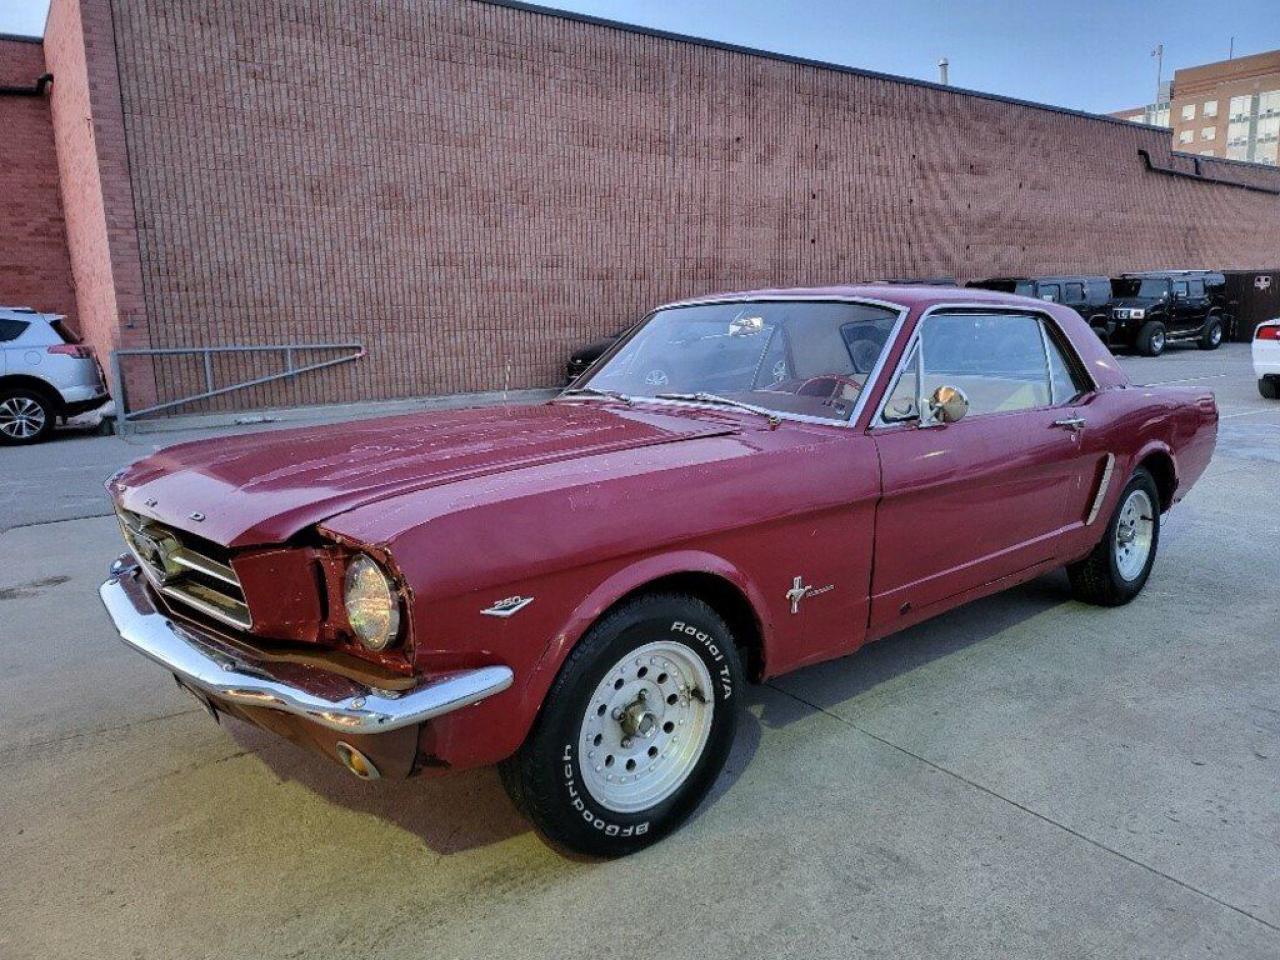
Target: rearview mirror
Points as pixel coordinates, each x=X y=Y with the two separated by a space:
x=948 y=404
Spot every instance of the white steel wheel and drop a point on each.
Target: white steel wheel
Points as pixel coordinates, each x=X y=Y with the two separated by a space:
x=646 y=726
x=1135 y=533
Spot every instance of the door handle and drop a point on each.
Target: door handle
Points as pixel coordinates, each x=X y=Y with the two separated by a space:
x=1071 y=423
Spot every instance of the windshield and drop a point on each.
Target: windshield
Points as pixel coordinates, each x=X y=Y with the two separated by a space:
x=1149 y=288
x=800 y=357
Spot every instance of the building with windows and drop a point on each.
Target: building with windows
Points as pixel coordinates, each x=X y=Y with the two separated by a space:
x=1153 y=114
x=1229 y=109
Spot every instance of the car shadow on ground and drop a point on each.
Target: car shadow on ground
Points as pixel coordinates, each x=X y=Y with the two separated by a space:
x=825 y=686
x=450 y=814
x=464 y=811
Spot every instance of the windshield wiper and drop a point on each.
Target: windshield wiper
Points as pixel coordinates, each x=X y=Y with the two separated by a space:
x=715 y=398
x=597 y=392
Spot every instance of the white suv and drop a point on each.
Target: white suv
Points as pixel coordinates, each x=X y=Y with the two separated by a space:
x=1266 y=358
x=44 y=375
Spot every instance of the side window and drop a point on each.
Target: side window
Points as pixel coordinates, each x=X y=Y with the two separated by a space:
x=1179 y=289
x=1075 y=292
x=1197 y=288
x=901 y=404
x=1065 y=383
x=1050 y=291
x=11 y=329
x=996 y=359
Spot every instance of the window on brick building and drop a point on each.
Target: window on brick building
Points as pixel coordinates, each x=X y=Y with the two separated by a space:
x=1269 y=103
x=1186 y=136
x=1268 y=128
x=1208 y=133
x=1241 y=107
x=1210 y=109
x=1207 y=153
x=1189 y=111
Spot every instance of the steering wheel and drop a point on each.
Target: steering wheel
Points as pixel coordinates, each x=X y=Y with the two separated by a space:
x=828 y=386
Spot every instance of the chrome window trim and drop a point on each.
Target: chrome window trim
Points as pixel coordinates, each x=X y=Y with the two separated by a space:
x=878 y=422
x=1048 y=364
x=901 y=310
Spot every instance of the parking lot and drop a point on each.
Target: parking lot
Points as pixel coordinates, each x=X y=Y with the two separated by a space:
x=1025 y=777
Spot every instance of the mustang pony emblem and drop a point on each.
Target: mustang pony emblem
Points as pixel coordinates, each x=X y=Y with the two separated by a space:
x=507 y=607
x=800 y=591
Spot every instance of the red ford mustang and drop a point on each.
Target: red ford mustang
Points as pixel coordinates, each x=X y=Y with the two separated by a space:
x=578 y=591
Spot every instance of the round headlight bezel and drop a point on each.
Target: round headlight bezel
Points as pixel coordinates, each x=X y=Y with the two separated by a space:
x=377 y=625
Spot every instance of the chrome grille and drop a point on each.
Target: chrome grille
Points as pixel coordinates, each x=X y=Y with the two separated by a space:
x=184 y=572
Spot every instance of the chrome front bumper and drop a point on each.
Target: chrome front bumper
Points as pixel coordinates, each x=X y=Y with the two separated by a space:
x=330 y=700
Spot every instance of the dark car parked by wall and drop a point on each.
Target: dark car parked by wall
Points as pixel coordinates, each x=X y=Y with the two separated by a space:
x=588 y=354
x=1088 y=296
x=1152 y=309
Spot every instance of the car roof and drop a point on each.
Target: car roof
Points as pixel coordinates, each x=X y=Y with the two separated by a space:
x=908 y=296
x=26 y=313
x=1157 y=274
x=1044 y=279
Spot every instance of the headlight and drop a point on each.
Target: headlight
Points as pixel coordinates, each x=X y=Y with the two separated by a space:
x=373 y=610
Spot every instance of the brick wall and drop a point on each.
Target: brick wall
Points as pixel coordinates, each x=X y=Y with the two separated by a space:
x=93 y=170
x=34 y=267
x=472 y=189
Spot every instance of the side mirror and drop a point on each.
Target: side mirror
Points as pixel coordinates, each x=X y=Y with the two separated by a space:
x=947 y=405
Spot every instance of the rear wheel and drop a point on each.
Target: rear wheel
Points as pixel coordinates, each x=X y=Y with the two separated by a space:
x=1269 y=387
x=1151 y=339
x=1117 y=569
x=25 y=416
x=635 y=729
x=1211 y=336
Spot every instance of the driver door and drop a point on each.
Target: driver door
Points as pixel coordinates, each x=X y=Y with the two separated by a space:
x=969 y=503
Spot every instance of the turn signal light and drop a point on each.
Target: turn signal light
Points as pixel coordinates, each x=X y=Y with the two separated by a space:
x=1267 y=333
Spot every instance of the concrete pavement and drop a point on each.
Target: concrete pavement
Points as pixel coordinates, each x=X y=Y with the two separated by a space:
x=1025 y=777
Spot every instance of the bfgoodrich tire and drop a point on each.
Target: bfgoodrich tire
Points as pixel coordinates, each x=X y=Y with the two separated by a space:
x=1117 y=569
x=1269 y=387
x=635 y=729
x=1151 y=339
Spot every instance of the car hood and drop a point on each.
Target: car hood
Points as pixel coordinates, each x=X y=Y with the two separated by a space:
x=265 y=487
x=1140 y=303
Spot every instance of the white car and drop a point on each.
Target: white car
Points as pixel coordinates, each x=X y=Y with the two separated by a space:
x=1266 y=358
x=44 y=375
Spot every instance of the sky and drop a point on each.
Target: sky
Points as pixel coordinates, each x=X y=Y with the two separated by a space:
x=1092 y=55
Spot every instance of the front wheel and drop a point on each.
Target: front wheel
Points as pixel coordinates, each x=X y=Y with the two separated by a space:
x=1211 y=336
x=1117 y=569
x=634 y=730
x=1151 y=339
x=1269 y=387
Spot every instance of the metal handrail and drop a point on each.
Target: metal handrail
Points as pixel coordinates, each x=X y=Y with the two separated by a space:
x=124 y=414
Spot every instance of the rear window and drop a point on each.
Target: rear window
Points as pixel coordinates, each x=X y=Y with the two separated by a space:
x=11 y=329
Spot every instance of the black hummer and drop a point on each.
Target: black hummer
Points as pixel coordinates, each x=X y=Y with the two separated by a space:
x=1152 y=309
x=1088 y=296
